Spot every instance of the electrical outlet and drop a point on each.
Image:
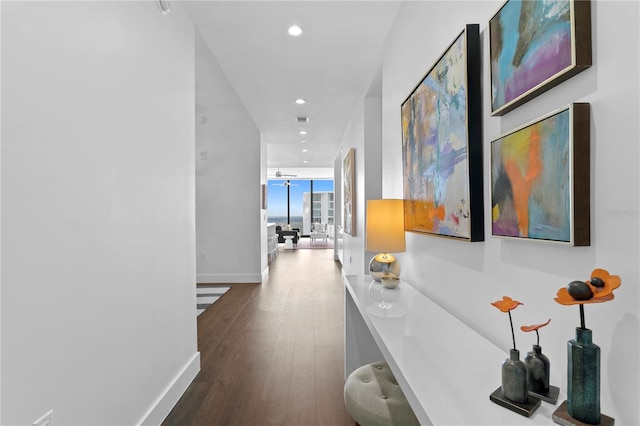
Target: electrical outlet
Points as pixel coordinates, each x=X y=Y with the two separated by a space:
x=45 y=420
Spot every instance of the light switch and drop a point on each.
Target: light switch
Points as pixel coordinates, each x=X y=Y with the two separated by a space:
x=203 y=155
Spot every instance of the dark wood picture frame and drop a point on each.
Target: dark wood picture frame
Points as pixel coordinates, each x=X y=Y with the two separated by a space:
x=540 y=179
x=442 y=151
x=534 y=46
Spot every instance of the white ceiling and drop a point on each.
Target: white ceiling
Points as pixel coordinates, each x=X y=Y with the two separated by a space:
x=330 y=66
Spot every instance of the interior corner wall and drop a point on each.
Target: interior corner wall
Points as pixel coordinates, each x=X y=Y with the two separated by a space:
x=264 y=251
x=364 y=135
x=338 y=248
x=229 y=231
x=0 y=214
x=372 y=164
x=98 y=211
x=464 y=277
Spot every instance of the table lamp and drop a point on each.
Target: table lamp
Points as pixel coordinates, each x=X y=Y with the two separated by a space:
x=385 y=234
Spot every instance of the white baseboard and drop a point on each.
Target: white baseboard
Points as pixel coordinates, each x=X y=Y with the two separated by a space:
x=228 y=278
x=165 y=403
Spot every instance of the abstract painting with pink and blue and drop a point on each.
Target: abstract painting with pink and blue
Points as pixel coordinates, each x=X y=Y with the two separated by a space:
x=531 y=42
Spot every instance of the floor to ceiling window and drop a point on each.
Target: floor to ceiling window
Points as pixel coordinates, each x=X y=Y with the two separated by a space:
x=300 y=202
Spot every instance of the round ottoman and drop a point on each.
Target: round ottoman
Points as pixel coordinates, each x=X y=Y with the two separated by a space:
x=373 y=397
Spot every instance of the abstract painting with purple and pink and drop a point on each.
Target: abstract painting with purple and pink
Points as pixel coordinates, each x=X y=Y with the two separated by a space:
x=531 y=42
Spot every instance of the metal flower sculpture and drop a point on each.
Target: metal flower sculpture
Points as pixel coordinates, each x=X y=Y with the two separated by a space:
x=599 y=288
x=583 y=356
x=507 y=304
x=528 y=328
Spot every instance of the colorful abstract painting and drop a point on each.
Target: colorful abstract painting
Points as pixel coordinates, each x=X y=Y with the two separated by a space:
x=348 y=193
x=435 y=146
x=533 y=47
x=532 y=180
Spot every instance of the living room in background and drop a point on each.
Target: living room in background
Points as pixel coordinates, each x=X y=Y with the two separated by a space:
x=300 y=203
x=321 y=208
x=278 y=201
x=297 y=189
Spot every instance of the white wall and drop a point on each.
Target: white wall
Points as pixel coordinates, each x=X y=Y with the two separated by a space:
x=0 y=212
x=338 y=248
x=98 y=211
x=264 y=250
x=353 y=245
x=364 y=134
x=466 y=277
x=230 y=233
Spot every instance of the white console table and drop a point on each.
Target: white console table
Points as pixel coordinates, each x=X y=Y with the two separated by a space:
x=446 y=370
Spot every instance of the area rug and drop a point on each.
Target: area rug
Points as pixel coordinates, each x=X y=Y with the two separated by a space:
x=306 y=243
x=207 y=295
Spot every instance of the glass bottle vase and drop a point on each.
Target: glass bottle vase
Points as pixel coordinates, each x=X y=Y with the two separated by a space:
x=583 y=381
x=514 y=378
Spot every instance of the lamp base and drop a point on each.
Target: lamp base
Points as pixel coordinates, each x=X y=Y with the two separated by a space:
x=384 y=264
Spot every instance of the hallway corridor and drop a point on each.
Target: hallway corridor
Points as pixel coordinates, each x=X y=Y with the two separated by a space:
x=272 y=354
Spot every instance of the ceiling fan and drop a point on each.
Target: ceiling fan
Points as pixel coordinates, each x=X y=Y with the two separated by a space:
x=279 y=174
x=285 y=183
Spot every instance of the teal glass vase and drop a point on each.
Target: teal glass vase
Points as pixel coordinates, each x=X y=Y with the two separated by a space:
x=514 y=378
x=583 y=384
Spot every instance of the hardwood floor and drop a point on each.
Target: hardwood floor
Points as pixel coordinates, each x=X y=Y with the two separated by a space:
x=272 y=353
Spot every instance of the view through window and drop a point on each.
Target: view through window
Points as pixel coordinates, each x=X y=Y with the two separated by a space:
x=300 y=202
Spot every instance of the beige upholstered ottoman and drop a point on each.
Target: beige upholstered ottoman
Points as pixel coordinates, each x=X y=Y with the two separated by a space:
x=373 y=397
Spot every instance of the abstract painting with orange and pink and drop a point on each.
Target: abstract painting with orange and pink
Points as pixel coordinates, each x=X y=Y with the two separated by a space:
x=530 y=181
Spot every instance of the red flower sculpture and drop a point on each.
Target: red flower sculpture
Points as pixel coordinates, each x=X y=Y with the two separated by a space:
x=599 y=293
x=507 y=304
x=528 y=328
x=599 y=288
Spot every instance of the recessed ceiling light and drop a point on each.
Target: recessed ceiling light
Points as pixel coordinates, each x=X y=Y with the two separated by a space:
x=303 y=132
x=305 y=150
x=303 y=141
x=300 y=101
x=305 y=161
x=295 y=30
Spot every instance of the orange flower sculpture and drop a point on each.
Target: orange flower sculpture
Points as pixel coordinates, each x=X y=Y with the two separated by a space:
x=599 y=288
x=528 y=328
x=507 y=304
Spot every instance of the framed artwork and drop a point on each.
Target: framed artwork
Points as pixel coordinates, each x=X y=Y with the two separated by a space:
x=442 y=145
x=540 y=179
x=264 y=196
x=348 y=193
x=534 y=46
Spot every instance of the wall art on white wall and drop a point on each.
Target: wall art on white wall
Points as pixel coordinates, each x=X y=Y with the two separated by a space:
x=442 y=145
x=540 y=179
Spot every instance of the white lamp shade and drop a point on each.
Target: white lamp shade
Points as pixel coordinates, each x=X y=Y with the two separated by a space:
x=385 y=226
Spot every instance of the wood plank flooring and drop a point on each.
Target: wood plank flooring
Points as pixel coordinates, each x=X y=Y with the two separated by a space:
x=273 y=353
